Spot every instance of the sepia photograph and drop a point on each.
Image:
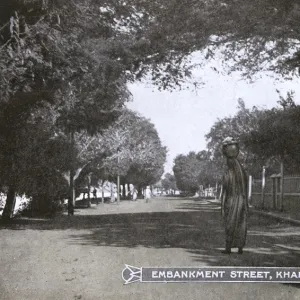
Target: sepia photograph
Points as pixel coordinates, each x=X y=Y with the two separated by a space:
x=149 y=149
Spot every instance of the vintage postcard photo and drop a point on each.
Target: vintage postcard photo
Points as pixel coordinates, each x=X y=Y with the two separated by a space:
x=149 y=149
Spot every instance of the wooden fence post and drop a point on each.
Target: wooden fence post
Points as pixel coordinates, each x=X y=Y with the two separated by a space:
x=274 y=191
x=250 y=189
x=281 y=184
x=263 y=184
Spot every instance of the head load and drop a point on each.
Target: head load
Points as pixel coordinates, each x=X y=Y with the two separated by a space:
x=230 y=147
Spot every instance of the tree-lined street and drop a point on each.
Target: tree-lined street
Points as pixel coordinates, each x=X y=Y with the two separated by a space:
x=82 y=257
x=66 y=130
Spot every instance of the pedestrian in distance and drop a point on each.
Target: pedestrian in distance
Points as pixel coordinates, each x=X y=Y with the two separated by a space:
x=234 y=198
x=70 y=207
x=147 y=194
x=95 y=196
x=134 y=194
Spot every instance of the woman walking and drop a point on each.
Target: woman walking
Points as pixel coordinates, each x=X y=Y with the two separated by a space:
x=134 y=194
x=234 y=199
x=148 y=194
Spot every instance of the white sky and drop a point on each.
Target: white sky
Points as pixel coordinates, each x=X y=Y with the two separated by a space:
x=182 y=118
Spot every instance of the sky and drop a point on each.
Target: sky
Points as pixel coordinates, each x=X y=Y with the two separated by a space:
x=182 y=118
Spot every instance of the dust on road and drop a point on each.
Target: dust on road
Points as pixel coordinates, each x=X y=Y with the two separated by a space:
x=82 y=257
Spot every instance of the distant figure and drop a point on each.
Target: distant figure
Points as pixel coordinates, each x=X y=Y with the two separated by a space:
x=234 y=199
x=70 y=207
x=85 y=193
x=95 y=195
x=147 y=194
x=134 y=194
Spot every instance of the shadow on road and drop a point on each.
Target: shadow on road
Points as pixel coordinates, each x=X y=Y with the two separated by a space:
x=195 y=227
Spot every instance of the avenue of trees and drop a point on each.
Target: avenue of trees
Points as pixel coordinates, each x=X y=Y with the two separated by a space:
x=195 y=169
x=127 y=148
x=168 y=183
x=133 y=151
x=267 y=137
x=65 y=65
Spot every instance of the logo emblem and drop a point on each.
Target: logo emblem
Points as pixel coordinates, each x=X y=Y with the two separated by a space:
x=131 y=274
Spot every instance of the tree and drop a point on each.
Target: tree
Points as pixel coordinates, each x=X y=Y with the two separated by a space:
x=252 y=35
x=148 y=164
x=277 y=138
x=187 y=169
x=275 y=133
x=259 y=35
x=195 y=169
x=33 y=162
x=239 y=127
x=169 y=183
x=59 y=50
x=80 y=54
x=158 y=37
x=136 y=151
x=210 y=171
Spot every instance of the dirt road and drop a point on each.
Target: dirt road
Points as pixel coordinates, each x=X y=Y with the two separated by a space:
x=82 y=257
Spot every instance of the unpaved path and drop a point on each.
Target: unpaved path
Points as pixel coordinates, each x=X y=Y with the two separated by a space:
x=82 y=257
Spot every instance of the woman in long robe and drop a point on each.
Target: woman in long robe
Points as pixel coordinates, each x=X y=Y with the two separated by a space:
x=134 y=194
x=147 y=194
x=234 y=200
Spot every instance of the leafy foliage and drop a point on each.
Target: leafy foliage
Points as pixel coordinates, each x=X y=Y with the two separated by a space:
x=265 y=136
x=195 y=169
x=33 y=160
x=277 y=137
x=169 y=182
x=239 y=127
x=187 y=169
x=136 y=151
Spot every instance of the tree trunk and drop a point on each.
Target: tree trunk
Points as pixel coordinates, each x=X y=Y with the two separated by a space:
x=102 y=187
x=89 y=190
x=274 y=191
x=263 y=184
x=112 y=194
x=10 y=204
x=140 y=192
x=118 y=189
x=71 y=201
x=221 y=192
x=281 y=184
x=250 y=190
x=124 y=191
x=128 y=187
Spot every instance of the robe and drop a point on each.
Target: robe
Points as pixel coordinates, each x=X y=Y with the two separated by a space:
x=235 y=204
x=147 y=194
x=134 y=195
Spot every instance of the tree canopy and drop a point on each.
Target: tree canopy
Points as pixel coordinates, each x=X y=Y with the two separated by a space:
x=130 y=148
x=168 y=183
x=71 y=60
x=239 y=127
x=276 y=138
x=138 y=152
x=187 y=169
